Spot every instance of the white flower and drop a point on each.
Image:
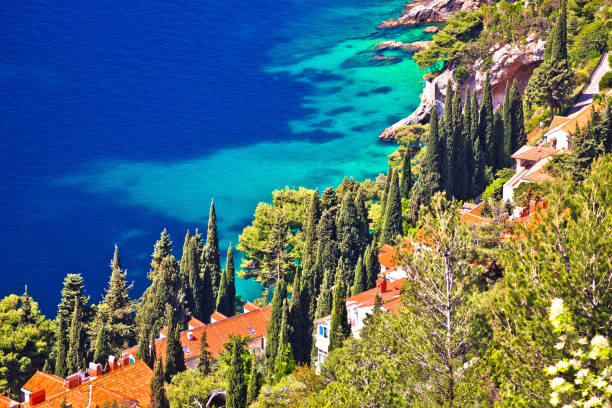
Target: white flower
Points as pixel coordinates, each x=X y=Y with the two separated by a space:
x=562 y=365
x=554 y=398
x=582 y=340
x=592 y=402
x=560 y=345
x=600 y=382
x=556 y=382
x=551 y=370
x=582 y=373
x=579 y=353
x=599 y=342
x=574 y=363
x=556 y=308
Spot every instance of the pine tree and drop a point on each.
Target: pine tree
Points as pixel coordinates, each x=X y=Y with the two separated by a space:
x=274 y=325
x=359 y=280
x=211 y=260
x=75 y=355
x=60 y=347
x=236 y=396
x=158 y=392
x=371 y=265
x=162 y=249
x=349 y=230
x=407 y=177
x=499 y=154
x=102 y=348
x=175 y=362
x=339 y=326
x=255 y=380
x=393 y=214
x=205 y=363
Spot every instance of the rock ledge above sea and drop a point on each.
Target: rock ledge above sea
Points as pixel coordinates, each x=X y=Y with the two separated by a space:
x=430 y=11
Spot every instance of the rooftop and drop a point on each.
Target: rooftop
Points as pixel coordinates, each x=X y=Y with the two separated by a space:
x=533 y=153
x=42 y=381
x=387 y=256
x=568 y=123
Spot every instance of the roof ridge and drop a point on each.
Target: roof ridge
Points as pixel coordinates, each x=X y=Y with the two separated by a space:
x=226 y=319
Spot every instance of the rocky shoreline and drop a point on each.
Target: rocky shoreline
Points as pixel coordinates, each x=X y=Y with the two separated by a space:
x=430 y=11
x=508 y=62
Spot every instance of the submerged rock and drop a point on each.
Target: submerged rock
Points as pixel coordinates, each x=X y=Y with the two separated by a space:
x=431 y=29
x=398 y=45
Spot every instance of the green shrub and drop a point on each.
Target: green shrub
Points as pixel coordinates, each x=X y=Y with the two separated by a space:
x=460 y=74
x=590 y=42
x=581 y=76
x=606 y=81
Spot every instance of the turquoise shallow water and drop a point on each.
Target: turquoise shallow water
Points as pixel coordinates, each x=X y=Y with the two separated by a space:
x=296 y=100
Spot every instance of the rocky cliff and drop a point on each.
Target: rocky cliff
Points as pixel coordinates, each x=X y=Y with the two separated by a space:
x=508 y=62
x=427 y=11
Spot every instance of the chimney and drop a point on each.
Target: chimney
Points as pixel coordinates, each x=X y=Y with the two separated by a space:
x=190 y=336
x=125 y=359
x=73 y=380
x=543 y=203
x=112 y=364
x=37 y=397
x=381 y=285
x=532 y=206
x=95 y=370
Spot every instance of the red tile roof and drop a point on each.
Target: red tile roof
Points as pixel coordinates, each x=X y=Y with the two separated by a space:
x=193 y=322
x=216 y=316
x=42 y=381
x=129 y=383
x=6 y=402
x=387 y=256
x=253 y=324
x=533 y=153
x=250 y=306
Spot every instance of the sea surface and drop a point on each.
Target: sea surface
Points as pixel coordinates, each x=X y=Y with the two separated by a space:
x=121 y=118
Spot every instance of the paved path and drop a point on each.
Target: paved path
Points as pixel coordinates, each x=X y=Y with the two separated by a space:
x=593 y=88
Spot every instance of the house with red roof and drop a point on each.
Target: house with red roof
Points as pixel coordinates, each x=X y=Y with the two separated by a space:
x=253 y=324
x=358 y=307
x=129 y=385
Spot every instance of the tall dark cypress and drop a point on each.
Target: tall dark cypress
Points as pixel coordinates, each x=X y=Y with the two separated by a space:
x=508 y=134
x=227 y=289
x=309 y=252
x=188 y=262
x=143 y=346
x=274 y=324
x=487 y=127
x=205 y=363
x=407 y=177
x=211 y=259
x=76 y=355
x=175 y=361
x=519 y=137
x=469 y=150
x=371 y=265
x=362 y=217
x=60 y=347
x=255 y=381
x=445 y=131
x=102 y=346
x=387 y=186
x=359 y=279
x=558 y=51
x=339 y=327
x=162 y=248
x=207 y=295
x=349 y=230
x=190 y=267
x=393 y=214
x=499 y=153
x=236 y=396
x=484 y=137
x=300 y=322
x=456 y=151
x=158 y=392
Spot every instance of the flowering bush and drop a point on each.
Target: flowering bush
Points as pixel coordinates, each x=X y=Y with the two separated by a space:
x=584 y=377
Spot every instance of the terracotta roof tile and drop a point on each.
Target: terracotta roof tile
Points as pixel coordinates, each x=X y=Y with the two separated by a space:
x=250 y=306
x=472 y=219
x=533 y=153
x=193 y=322
x=568 y=123
x=253 y=324
x=217 y=316
x=6 y=402
x=42 y=381
x=129 y=383
x=387 y=256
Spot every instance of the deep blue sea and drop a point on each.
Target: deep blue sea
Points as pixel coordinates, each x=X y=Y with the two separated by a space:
x=121 y=118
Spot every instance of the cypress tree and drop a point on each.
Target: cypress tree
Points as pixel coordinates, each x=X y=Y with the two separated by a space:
x=393 y=214
x=152 y=352
x=26 y=308
x=359 y=280
x=339 y=326
x=329 y=201
x=47 y=367
x=211 y=260
x=371 y=265
x=274 y=325
x=362 y=220
x=75 y=354
x=143 y=346
x=102 y=348
x=519 y=137
x=236 y=396
x=255 y=381
x=284 y=363
x=117 y=309
x=60 y=350
x=190 y=267
x=387 y=186
x=175 y=361
x=222 y=303
x=158 y=393
x=508 y=134
x=349 y=230
x=407 y=178
x=310 y=231
x=447 y=124
x=498 y=140
x=324 y=300
x=162 y=249
x=187 y=263
x=469 y=151
x=231 y=281
x=456 y=151
x=207 y=295
x=485 y=122
x=300 y=320
x=205 y=363
x=558 y=51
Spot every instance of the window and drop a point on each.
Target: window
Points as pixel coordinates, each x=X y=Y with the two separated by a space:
x=251 y=330
x=323 y=331
x=186 y=350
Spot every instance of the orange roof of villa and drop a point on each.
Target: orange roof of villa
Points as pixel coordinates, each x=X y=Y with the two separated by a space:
x=568 y=123
x=6 y=402
x=253 y=324
x=533 y=153
x=250 y=306
x=130 y=384
x=216 y=316
x=52 y=384
x=387 y=256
